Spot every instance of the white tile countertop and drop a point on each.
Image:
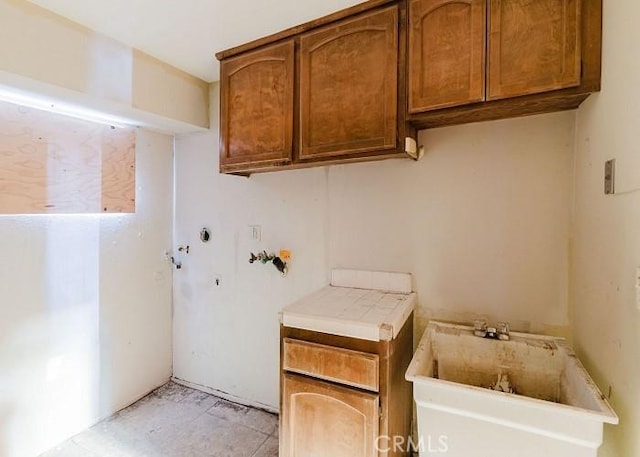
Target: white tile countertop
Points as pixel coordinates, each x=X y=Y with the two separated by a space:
x=359 y=304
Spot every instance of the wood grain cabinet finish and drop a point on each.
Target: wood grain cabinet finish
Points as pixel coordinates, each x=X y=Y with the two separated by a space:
x=541 y=56
x=354 y=85
x=324 y=419
x=257 y=102
x=330 y=403
x=447 y=41
x=349 y=86
x=353 y=368
x=534 y=46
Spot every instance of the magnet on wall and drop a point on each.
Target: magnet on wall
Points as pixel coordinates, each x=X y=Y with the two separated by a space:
x=205 y=235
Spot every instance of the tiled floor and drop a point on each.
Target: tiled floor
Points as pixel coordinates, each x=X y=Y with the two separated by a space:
x=175 y=421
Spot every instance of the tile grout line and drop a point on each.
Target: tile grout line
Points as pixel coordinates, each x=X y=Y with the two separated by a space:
x=84 y=448
x=260 y=447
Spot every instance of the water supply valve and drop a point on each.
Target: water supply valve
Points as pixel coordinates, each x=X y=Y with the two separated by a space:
x=278 y=261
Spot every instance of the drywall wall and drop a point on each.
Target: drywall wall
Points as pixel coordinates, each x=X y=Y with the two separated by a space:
x=606 y=245
x=47 y=54
x=85 y=313
x=482 y=222
x=226 y=335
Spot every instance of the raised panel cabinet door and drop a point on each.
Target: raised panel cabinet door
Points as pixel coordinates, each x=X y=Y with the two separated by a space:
x=256 y=107
x=534 y=46
x=447 y=41
x=348 y=86
x=325 y=420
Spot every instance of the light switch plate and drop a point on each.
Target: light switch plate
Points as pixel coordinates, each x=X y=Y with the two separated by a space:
x=255 y=232
x=610 y=177
x=638 y=288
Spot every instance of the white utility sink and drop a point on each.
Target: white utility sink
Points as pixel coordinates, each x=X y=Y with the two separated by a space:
x=555 y=409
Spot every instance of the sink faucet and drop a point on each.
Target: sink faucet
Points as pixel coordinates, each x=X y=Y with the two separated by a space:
x=499 y=332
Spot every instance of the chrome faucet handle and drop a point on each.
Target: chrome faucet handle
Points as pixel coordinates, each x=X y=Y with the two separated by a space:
x=480 y=328
x=503 y=331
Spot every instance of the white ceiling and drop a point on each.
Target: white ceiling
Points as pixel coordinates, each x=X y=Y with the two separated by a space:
x=187 y=33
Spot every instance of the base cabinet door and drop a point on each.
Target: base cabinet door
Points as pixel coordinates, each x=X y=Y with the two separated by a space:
x=321 y=419
x=256 y=107
x=534 y=46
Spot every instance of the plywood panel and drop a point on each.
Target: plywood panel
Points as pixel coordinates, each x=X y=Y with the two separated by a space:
x=50 y=163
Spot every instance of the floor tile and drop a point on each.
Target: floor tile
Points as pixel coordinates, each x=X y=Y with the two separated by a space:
x=250 y=417
x=269 y=448
x=115 y=439
x=176 y=421
x=156 y=415
x=172 y=391
x=69 y=449
x=201 y=399
x=213 y=436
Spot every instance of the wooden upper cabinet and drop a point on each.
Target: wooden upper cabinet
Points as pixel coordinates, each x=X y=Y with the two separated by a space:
x=534 y=46
x=256 y=107
x=447 y=41
x=349 y=86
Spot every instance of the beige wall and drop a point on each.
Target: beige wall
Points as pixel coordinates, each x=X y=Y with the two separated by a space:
x=482 y=221
x=606 y=245
x=85 y=313
x=47 y=54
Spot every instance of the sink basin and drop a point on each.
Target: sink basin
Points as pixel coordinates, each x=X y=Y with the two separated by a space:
x=550 y=406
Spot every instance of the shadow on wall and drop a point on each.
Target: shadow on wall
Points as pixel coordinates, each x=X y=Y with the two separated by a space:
x=4 y=425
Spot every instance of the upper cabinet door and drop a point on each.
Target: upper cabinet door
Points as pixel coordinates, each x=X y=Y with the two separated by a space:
x=348 y=86
x=534 y=46
x=256 y=107
x=447 y=42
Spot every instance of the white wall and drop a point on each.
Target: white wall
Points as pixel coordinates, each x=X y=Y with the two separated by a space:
x=85 y=312
x=47 y=54
x=226 y=336
x=482 y=221
x=606 y=247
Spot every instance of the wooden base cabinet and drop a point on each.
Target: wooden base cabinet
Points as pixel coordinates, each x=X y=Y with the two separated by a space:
x=344 y=397
x=328 y=420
